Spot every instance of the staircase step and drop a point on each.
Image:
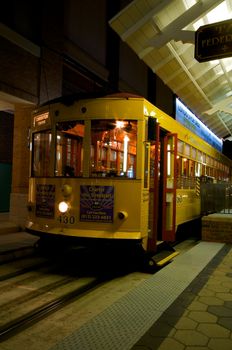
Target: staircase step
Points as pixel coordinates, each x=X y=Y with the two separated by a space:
x=8 y=227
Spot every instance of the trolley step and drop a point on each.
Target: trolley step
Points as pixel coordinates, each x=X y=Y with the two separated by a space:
x=164 y=254
x=164 y=257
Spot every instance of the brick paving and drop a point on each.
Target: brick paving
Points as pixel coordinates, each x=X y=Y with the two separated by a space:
x=201 y=317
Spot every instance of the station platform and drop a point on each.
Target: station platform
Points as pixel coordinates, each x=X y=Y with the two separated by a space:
x=185 y=305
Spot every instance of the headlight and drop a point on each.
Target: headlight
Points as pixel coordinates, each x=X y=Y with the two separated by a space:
x=63 y=207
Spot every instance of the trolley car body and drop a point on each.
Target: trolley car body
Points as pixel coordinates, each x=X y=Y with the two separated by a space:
x=115 y=168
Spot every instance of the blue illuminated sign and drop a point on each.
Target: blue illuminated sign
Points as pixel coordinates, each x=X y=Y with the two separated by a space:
x=191 y=122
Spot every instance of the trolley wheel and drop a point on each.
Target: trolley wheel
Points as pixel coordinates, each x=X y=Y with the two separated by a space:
x=145 y=262
x=151 y=266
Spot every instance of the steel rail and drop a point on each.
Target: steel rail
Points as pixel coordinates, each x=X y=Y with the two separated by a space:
x=23 y=271
x=13 y=327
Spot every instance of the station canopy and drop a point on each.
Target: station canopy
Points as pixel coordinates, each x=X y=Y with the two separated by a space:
x=163 y=33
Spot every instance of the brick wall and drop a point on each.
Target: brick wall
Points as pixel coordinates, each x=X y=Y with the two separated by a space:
x=20 y=170
x=217 y=228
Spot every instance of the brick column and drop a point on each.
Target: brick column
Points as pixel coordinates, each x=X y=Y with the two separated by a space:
x=20 y=170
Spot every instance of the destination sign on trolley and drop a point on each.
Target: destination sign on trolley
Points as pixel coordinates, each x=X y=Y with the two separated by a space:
x=213 y=41
x=40 y=119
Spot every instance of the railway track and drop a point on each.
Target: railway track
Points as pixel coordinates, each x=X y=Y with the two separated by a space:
x=34 y=287
x=23 y=271
x=20 y=323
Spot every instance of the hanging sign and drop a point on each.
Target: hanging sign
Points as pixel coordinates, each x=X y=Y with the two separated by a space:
x=213 y=41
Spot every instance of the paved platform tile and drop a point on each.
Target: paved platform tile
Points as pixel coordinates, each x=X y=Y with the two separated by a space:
x=197 y=306
x=202 y=317
x=213 y=330
x=226 y=322
x=224 y=296
x=220 y=311
x=191 y=337
x=197 y=348
x=228 y=304
x=220 y=344
x=170 y=343
x=186 y=323
x=210 y=300
x=218 y=287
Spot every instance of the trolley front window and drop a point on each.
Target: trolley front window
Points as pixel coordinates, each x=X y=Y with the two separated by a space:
x=41 y=153
x=69 y=148
x=113 y=148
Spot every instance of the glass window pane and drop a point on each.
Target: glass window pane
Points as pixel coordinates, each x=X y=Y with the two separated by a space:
x=204 y=158
x=180 y=146
x=41 y=153
x=187 y=149
x=69 y=148
x=113 y=147
x=194 y=152
x=199 y=156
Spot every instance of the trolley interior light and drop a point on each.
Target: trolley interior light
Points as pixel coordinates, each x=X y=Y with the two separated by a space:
x=153 y=113
x=198 y=169
x=169 y=160
x=119 y=124
x=126 y=140
x=63 y=207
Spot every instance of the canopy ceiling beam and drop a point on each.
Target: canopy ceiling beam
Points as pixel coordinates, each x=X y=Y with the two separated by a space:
x=175 y=29
x=157 y=6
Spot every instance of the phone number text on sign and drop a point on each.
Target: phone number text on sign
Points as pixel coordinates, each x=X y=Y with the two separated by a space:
x=97 y=203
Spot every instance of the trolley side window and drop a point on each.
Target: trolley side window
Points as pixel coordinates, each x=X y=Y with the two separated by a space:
x=69 y=148
x=113 y=148
x=41 y=154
